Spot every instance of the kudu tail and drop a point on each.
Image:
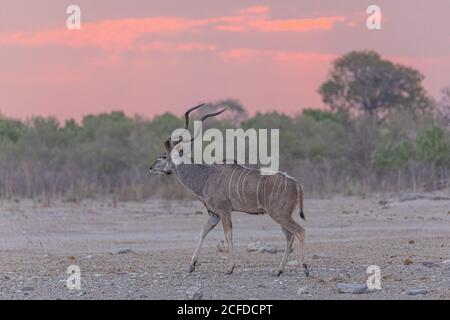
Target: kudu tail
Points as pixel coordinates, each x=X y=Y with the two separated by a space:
x=300 y=200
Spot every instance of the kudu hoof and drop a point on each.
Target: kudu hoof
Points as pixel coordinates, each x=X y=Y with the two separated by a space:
x=305 y=270
x=191 y=268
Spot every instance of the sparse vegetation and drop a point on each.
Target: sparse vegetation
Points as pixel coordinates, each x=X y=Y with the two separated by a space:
x=394 y=141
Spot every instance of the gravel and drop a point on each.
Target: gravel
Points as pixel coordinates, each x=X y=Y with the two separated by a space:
x=39 y=244
x=194 y=292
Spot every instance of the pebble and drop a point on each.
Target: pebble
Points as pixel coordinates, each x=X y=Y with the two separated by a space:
x=267 y=248
x=302 y=290
x=27 y=288
x=355 y=288
x=319 y=256
x=428 y=264
x=415 y=292
x=407 y=261
x=124 y=251
x=261 y=247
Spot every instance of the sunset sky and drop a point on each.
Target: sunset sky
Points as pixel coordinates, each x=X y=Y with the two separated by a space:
x=149 y=57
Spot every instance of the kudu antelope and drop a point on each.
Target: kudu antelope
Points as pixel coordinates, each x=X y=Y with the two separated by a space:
x=224 y=188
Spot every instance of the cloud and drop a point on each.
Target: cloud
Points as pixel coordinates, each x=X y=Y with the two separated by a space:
x=107 y=34
x=245 y=55
x=176 y=47
x=254 y=10
x=295 y=25
x=122 y=34
x=256 y=19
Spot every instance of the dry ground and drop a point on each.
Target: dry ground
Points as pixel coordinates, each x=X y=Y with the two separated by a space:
x=344 y=236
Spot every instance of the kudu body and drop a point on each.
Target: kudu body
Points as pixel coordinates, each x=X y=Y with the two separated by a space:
x=224 y=188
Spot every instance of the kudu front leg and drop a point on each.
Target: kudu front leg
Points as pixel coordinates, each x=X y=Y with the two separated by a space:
x=228 y=230
x=213 y=220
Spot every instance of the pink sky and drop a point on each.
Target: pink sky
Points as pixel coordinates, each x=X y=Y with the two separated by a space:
x=148 y=57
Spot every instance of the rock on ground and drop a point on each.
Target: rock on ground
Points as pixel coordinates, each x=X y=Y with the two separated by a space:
x=261 y=247
x=319 y=256
x=415 y=292
x=302 y=290
x=354 y=288
x=124 y=251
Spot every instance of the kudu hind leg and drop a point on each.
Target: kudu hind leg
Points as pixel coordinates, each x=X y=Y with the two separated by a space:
x=228 y=230
x=288 y=248
x=213 y=220
x=299 y=232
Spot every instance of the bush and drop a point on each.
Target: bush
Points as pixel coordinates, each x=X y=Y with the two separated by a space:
x=109 y=154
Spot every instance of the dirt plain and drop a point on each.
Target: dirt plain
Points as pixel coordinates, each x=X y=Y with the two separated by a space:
x=141 y=250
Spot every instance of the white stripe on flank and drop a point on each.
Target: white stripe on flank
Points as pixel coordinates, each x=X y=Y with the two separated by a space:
x=237 y=185
x=229 y=184
x=279 y=186
x=243 y=184
x=257 y=191
x=289 y=176
x=264 y=190
x=273 y=187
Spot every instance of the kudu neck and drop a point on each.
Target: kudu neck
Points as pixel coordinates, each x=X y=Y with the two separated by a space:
x=192 y=176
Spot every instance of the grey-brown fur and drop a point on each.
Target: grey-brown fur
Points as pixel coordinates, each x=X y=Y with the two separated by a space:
x=224 y=188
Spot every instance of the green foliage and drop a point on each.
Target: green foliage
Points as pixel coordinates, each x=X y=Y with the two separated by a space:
x=163 y=125
x=10 y=130
x=392 y=154
x=272 y=120
x=433 y=146
x=321 y=115
x=321 y=135
x=110 y=153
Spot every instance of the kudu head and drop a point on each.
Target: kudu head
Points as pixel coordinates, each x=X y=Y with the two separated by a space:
x=164 y=163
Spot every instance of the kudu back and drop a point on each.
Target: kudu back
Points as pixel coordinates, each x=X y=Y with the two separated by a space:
x=224 y=188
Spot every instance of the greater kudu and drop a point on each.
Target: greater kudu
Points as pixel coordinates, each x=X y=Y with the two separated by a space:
x=224 y=188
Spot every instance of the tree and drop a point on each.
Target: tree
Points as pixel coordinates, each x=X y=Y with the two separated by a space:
x=443 y=106
x=392 y=154
x=10 y=130
x=235 y=114
x=363 y=82
x=434 y=147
